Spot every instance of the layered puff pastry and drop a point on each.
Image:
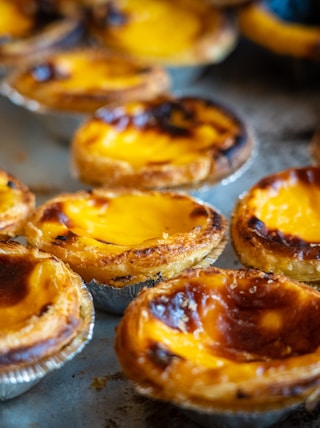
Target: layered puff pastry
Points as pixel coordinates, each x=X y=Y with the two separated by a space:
x=147 y=30
x=81 y=80
x=224 y=342
x=41 y=302
x=16 y=204
x=27 y=30
x=166 y=142
x=290 y=28
x=275 y=224
x=123 y=237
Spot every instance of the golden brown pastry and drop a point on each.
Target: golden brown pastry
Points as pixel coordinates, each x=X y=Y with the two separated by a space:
x=122 y=237
x=224 y=341
x=82 y=80
x=286 y=28
x=275 y=224
x=162 y=143
x=147 y=30
x=27 y=31
x=16 y=204
x=40 y=306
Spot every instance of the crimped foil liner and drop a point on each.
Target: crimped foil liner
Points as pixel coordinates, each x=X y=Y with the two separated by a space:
x=16 y=381
x=182 y=77
x=115 y=299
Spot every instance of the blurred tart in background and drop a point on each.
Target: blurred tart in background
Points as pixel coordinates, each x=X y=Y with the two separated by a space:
x=27 y=31
x=118 y=238
x=285 y=27
x=184 y=32
x=166 y=142
x=275 y=224
x=16 y=204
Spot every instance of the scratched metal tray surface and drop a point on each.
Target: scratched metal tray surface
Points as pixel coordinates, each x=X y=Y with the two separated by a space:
x=281 y=101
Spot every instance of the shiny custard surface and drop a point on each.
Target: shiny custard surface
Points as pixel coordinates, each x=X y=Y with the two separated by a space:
x=16 y=18
x=161 y=132
x=79 y=70
x=27 y=289
x=240 y=319
x=145 y=28
x=289 y=202
x=124 y=220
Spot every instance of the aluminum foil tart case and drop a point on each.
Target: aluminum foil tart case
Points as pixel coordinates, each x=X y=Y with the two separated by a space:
x=17 y=381
x=115 y=300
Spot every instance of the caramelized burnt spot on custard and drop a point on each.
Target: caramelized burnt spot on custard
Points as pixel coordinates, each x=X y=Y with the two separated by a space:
x=161 y=355
x=14 y=276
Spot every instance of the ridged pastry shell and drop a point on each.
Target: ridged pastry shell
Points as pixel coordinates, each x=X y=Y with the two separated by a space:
x=260 y=24
x=40 y=306
x=161 y=143
x=16 y=204
x=275 y=224
x=228 y=343
x=124 y=237
x=148 y=30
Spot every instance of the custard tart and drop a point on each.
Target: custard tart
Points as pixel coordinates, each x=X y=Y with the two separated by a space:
x=233 y=343
x=16 y=204
x=184 y=32
x=121 y=238
x=166 y=142
x=290 y=28
x=46 y=315
x=275 y=224
x=27 y=31
x=83 y=79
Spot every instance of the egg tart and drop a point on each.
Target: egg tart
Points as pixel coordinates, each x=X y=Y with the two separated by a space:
x=83 y=79
x=161 y=143
x=147 y=30
x=121 y=238
x=234 y=343
x=27 y=31
x=275 y=224
x=290 y=28
x=16 y=204
x=46 y=315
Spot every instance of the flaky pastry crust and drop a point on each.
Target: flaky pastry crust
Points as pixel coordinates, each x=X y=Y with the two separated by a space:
x=145 y=30
x=259 y=24
x=219 y=340
x=122 y=237
x=162 y=143
x=16 y=204
x=275 y=224
x=40 y=305
x=83 y=79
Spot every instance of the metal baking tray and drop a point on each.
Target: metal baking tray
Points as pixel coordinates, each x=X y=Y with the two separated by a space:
x=282 y=105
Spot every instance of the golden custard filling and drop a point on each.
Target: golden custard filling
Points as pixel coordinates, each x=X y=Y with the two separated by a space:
x=125 y=220
x=27 y=288
x=293 y=208
x=137 y=133
x=15 y=18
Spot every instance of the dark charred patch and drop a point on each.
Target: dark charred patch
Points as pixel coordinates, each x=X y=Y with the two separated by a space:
x=199 y=212
x=241 y=394
x=217 y=222
x=54 y=213
x=45 y=308
x=12 y=184
x=161 y=355
x=14 y=274
x=239 y=141
x=67 y=237
x=124 y=278
x=144 y=252
x=179 y=311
